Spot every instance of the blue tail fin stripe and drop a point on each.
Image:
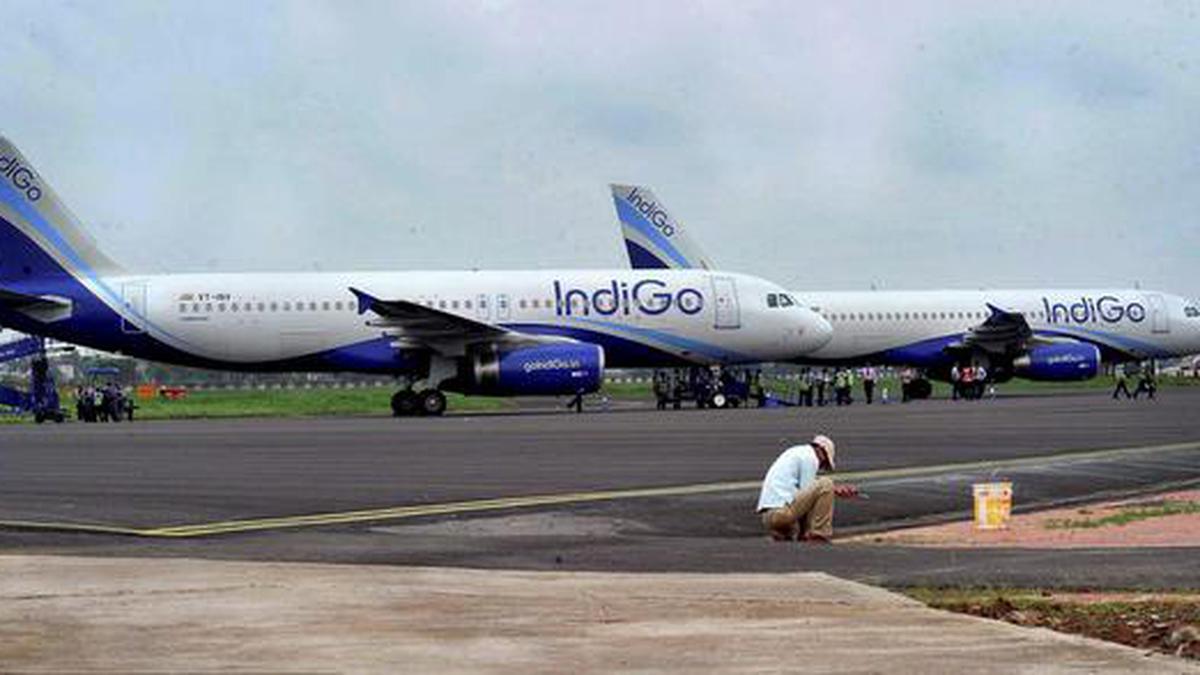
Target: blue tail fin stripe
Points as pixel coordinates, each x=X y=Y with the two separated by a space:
x=641 y=259
x=630 y=215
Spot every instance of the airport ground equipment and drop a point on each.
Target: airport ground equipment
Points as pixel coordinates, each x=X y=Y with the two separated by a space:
x=41 y=400
x=708 y=388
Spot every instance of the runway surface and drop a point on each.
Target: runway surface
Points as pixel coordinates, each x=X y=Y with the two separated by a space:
x=620 y=490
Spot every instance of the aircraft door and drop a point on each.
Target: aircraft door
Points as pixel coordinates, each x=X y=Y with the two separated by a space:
x=1160 y=318
x=133 y=311
x=728 y=314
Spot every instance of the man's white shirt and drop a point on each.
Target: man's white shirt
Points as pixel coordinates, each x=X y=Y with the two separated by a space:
x=794 y=469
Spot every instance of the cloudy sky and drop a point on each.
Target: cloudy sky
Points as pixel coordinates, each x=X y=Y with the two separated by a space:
x=821 y=145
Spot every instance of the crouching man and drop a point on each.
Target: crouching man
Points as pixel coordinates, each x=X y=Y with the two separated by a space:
x=795 y=503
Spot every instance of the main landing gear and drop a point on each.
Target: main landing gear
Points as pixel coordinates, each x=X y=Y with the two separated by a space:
x=409 y=403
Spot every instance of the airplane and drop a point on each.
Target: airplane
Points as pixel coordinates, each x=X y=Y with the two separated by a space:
x=1036 y=334
x=506 y=333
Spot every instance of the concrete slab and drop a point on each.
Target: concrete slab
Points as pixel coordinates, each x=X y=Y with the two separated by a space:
x=67 y=614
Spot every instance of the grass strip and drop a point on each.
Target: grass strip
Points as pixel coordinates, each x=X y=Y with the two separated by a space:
x=1127 y=514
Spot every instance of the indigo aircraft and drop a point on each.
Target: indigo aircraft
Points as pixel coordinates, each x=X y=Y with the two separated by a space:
x=1037 y=334
x=506 y=333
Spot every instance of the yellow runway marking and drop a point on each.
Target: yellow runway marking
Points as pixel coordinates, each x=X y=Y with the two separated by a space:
x=481 y=505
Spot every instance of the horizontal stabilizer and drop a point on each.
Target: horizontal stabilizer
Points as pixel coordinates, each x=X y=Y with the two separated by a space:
x=44 y=308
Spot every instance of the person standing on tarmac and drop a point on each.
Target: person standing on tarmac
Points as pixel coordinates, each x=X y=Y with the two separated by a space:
x=1146 y=383
x=806 y=388
x=1122 y=383
x=822 y=381
x=868 y=379
x=794 y=503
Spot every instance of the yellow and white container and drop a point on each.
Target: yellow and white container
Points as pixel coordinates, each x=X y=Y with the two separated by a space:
x=993 y=505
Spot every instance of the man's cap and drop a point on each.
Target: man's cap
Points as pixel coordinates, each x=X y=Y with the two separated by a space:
x=826 y=443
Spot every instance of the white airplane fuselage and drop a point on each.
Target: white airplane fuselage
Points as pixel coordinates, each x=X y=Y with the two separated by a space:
x=311 y=321
x=912 y=327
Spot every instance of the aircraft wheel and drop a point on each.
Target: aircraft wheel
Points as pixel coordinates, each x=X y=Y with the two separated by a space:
x=39 y=417
x=404 y=403
x=718 y=401
x=433 y=402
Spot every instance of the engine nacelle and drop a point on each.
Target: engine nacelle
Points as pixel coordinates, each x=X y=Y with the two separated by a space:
x=1059 y=362
x=544 y=370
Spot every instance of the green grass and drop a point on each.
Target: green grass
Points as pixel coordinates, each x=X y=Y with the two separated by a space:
x=293 y=403
x=1126 y=515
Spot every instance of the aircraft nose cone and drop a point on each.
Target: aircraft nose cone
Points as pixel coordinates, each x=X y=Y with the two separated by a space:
x=814 y=333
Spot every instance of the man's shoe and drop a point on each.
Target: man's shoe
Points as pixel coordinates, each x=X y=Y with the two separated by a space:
x=817 y=539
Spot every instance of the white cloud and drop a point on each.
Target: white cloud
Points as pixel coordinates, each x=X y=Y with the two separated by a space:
x=821 y=145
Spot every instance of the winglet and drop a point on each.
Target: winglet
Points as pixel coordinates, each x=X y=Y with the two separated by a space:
x=996 y=311
x=365 y=301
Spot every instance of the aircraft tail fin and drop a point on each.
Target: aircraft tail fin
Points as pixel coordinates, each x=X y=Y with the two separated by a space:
x=39 y=237
x=653 y=238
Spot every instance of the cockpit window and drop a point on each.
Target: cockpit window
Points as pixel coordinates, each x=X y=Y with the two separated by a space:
x=1191 y=312
x=772 y=300
x=786 y=300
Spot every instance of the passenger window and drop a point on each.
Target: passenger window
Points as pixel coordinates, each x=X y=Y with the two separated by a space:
x=325 y=306
x=338 y=305
x=287 y=306
x=233 y=307
x=208 y=307
x=454 y=304
x=262 y=306
x=182 y=308
x=466 y=304
x=441 y=304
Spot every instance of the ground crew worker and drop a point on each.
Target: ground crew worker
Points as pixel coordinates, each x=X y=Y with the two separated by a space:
x=1146 y=383
x=806 y=388
x=1122 y=383
x=795 y=504
x=868 y=380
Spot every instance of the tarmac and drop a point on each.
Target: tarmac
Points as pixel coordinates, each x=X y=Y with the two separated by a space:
x=569 y=516
x=129 y=615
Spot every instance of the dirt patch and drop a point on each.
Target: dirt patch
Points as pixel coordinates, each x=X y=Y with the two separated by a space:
x=1163 y=520
x=1160 y=622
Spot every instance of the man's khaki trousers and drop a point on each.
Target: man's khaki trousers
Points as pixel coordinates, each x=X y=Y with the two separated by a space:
x=813 y=504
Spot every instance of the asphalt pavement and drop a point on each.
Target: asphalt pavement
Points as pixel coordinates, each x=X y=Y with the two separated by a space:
x=622 y=490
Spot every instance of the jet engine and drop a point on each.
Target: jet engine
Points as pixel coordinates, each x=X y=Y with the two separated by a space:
x=1059 y=362
x=542 y=370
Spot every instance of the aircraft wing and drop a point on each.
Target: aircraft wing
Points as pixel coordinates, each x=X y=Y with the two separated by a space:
x=1002 y=333
x=416 y=325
